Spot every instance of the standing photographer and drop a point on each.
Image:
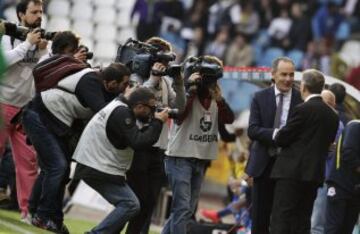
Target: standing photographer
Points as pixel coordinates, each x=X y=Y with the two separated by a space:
x=146 y=175
x=193 y=143
x=17 y=89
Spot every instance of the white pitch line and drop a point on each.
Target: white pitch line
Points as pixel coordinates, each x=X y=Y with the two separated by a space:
x=15 y=228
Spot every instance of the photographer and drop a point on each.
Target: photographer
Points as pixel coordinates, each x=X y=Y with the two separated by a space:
x=49 y=121
x=105 y=152
x=146 y=175
x=193 y=143
x=17 y=89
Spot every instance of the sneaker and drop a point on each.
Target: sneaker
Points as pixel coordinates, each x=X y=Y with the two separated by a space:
x=210 y=214
x=25 y=218
x=49 y=225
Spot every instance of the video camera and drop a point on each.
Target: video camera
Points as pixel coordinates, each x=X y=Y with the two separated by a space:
x=209 y=71
x=20 y=32
x=139 y=57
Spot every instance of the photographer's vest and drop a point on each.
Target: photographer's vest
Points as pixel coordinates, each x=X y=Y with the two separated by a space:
x=197 y=135
x=62 y=101
x=96 y=151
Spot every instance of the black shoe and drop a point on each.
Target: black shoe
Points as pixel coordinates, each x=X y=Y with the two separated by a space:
x=49 y=225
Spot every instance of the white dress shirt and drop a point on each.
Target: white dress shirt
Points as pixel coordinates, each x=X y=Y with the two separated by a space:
x=286 y=107
x=311 y=96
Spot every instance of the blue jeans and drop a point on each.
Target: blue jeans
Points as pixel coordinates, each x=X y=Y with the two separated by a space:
x=123 y=198
x=319 y=209
x=185 y=176
x=48 y=191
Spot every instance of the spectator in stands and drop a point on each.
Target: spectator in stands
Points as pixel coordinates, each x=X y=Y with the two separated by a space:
x=326 y=22
x=343 y=203
x=195 y=46
x=265 y=12
x=300 y=30
x=245 y=18
x=317 y=56
x=146 y=175
x=319 y=209
x=218 y=46
x=267 y=113
x=340 y=92
x=197 y=129
x=49 y=123
x=105 y=152
x=16 y=90
x=239 y=53
x=279 y=30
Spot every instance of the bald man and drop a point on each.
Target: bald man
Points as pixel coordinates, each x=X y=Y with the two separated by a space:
x=329 y=98
x=318 y=215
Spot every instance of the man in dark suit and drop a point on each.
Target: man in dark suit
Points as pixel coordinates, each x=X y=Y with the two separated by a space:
x=343 y=194
x=269 y=110
x=299 y=168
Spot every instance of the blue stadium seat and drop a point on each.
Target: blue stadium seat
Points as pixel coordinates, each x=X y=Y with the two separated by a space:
x=269 y=55
x=297 y=56
x=343 y=31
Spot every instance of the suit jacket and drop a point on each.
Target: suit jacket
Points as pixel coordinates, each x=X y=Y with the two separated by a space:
x=346 y=176
x=305 y=142
x=260 y=130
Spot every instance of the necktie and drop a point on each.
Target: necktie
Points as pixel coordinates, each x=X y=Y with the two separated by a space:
x=279 y=109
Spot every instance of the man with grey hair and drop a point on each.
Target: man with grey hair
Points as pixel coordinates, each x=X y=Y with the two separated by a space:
x=299 y=167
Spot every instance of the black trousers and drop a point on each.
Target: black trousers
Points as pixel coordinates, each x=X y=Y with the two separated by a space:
x=342 y=210
x=292 y=208
x=145 y=177
x=262 y=200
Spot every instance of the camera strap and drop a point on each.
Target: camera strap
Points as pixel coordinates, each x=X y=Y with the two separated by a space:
x=12 y=41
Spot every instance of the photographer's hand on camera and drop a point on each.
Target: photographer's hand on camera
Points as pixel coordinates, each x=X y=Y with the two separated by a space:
x=34 y=37
x=42 y=44
x=156 y=71
x=215 y=93
x=193 y=80
x=81 y=54
x=162 y=116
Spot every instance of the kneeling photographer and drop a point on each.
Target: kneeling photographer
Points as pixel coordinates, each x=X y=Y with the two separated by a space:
x=146 y=175
x=105 y=152
x=49 y=122
x=193 y=143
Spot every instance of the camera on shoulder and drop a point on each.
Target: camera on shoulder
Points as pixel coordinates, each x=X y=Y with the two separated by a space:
x=209 y=71
x=140 y=57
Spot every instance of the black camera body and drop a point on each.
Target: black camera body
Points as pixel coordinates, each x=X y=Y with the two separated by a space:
x=139 y=57
x=210 y=72
x=20 y=32
x=173 y=113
